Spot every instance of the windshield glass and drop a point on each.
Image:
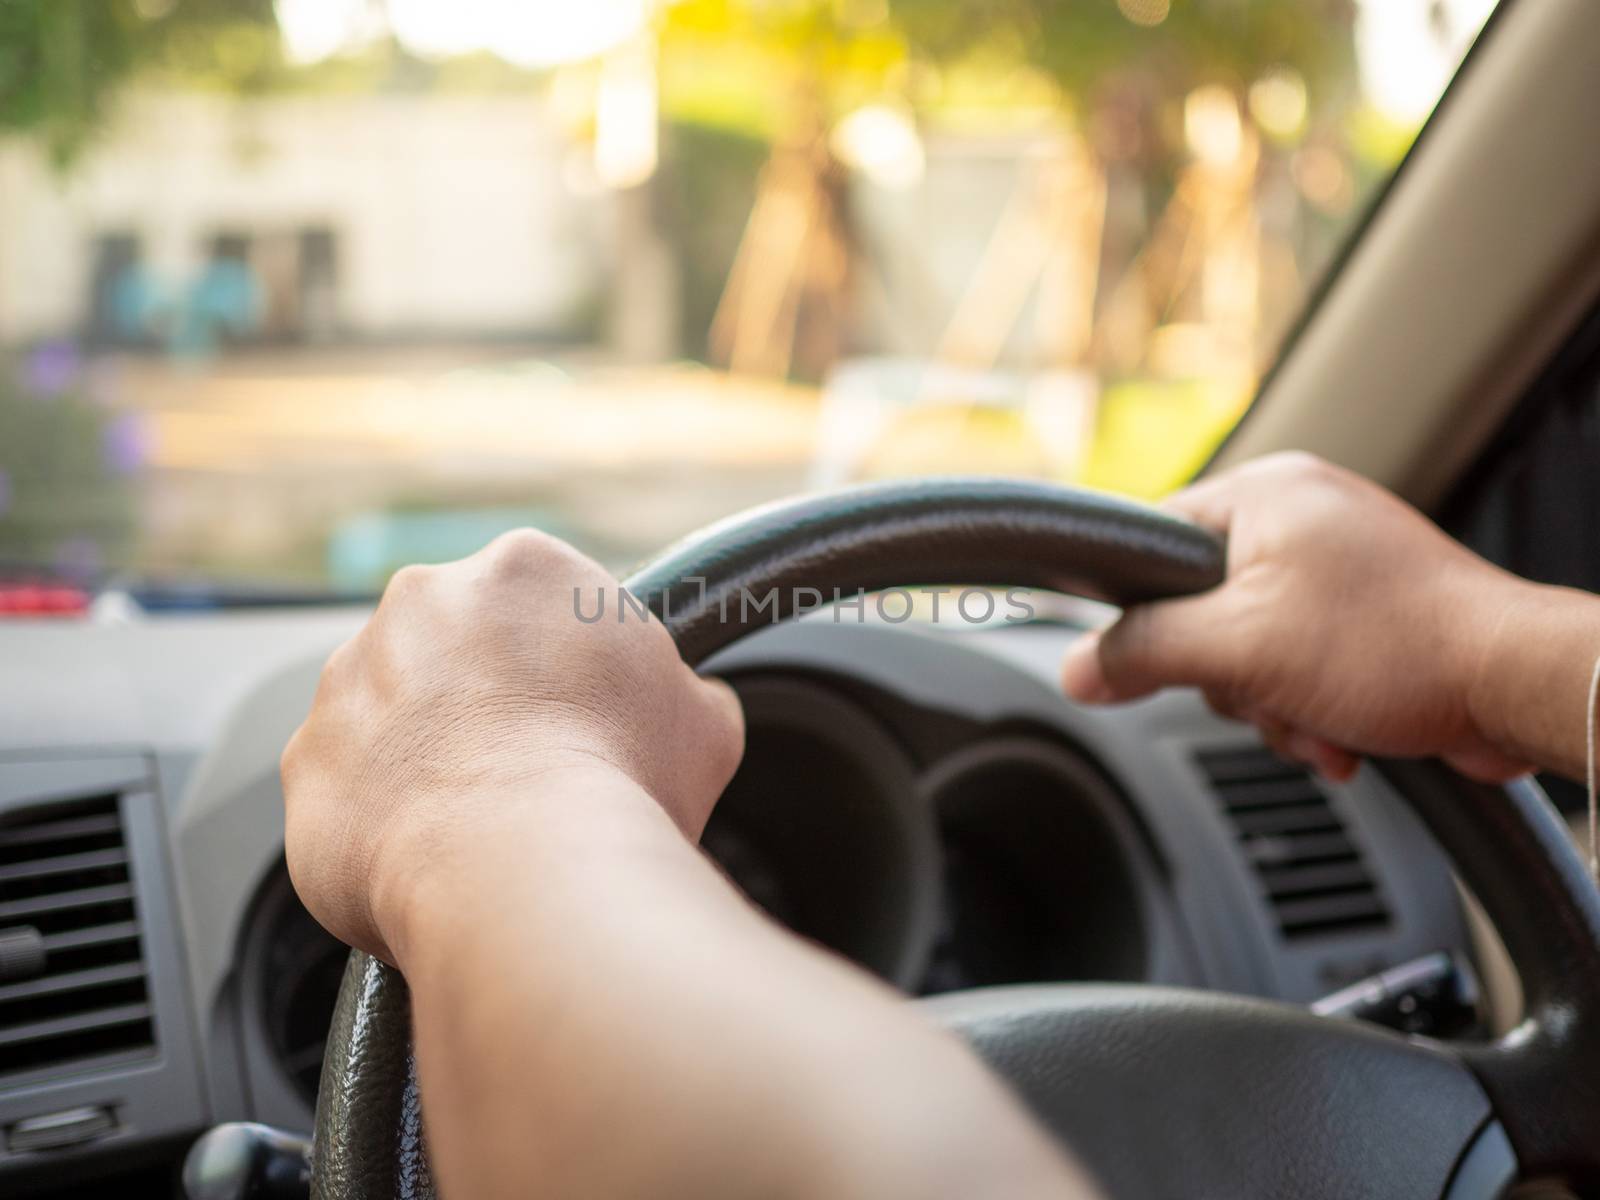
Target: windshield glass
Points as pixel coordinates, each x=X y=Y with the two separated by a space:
x=292 y=294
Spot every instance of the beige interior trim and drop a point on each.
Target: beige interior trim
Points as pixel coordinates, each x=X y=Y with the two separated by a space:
x=1480 y=261
x=1497 y=975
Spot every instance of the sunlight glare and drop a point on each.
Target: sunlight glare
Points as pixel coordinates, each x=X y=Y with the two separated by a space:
x=1211 y=125
x=625 y=149
x=526 y=33
x=1409 y=49
x=883 y=144
x=315 y=29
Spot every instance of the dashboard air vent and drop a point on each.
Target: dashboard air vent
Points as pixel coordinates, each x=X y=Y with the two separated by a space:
x=1311 y=870
x=72 y=976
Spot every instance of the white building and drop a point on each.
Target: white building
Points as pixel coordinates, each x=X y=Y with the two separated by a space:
x=359 y=215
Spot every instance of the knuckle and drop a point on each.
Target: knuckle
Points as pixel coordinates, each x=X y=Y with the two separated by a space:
x=1302 y=465
x=340 y=663
x=407 y=581
x=290 y=760
x=734 y=715
x=529 y=556
x=300 y=858
x=731 y=758
x=340 y=672
x=728 y=734
x=303 y=763
x=519 y=548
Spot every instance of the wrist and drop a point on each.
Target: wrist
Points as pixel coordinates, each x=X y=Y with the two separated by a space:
x=1530 y=690
x=455 y=854
x=1496 y=641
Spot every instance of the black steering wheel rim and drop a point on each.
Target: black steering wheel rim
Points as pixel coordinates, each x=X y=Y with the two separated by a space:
x=1510 y=847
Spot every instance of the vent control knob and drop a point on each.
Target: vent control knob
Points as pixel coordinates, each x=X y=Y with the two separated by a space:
x=21 y=953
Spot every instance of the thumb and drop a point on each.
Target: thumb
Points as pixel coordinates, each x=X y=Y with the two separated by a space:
x=1151 y=646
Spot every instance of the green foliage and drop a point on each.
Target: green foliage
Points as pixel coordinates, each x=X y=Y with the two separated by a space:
x=1085 y=44
x=739 y=64
x=732 y=63
x=1151 y=436
x=61 y=60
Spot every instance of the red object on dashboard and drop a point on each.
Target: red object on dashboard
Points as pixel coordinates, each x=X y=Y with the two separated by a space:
x=42 y=600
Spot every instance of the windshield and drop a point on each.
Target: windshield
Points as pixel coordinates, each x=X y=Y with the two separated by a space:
x=292 y=294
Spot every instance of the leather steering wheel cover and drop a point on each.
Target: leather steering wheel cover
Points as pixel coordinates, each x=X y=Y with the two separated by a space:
x=919 y=533
x=1508 y=846
x=1515 y=853
x=897 y=534
x=368 y=1140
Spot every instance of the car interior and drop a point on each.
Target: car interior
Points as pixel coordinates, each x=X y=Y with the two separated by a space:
x=917 y=795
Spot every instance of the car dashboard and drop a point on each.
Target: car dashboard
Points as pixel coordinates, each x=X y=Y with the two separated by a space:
x=919 y=798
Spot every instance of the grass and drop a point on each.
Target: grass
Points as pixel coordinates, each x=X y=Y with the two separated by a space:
x=1152 y=436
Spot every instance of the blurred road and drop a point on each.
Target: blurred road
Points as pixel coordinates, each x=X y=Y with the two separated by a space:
x=252 y=460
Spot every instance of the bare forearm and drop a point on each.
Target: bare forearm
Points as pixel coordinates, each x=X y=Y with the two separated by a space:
x=596 y=1012
x=1531 y=695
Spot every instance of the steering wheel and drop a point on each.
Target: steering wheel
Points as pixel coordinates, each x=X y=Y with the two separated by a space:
x=1160 y=1092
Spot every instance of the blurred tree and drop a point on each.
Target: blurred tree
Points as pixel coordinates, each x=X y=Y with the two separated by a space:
x=1119 y=69
x=1086 y=43
x=855 y=50
x=60 y=60
x=704 y=194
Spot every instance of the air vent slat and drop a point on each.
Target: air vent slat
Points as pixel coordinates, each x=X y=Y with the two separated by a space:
x=1225 y=767
x=1290 y=849
x=110 y=893
x=102 y=1018
x=1298 y=880
x=93 y=935
x=1266 y=794
x=69 y=829
x=65 y=873
x=66 y=864
x=1310 y=817
x=50 y=984
x=1331 y=912
x=1311 y=872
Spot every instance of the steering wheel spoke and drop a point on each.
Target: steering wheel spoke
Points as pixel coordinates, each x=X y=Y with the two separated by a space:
x=1169 y=1092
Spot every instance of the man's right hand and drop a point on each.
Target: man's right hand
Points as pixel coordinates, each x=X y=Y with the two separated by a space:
x=1348 y=624
x=475 y=693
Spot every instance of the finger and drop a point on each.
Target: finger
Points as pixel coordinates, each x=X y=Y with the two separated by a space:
x=1487 y=765
x=1225 y=702
x=1276 y=736
x=1332 y=762
x=1151 y=646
